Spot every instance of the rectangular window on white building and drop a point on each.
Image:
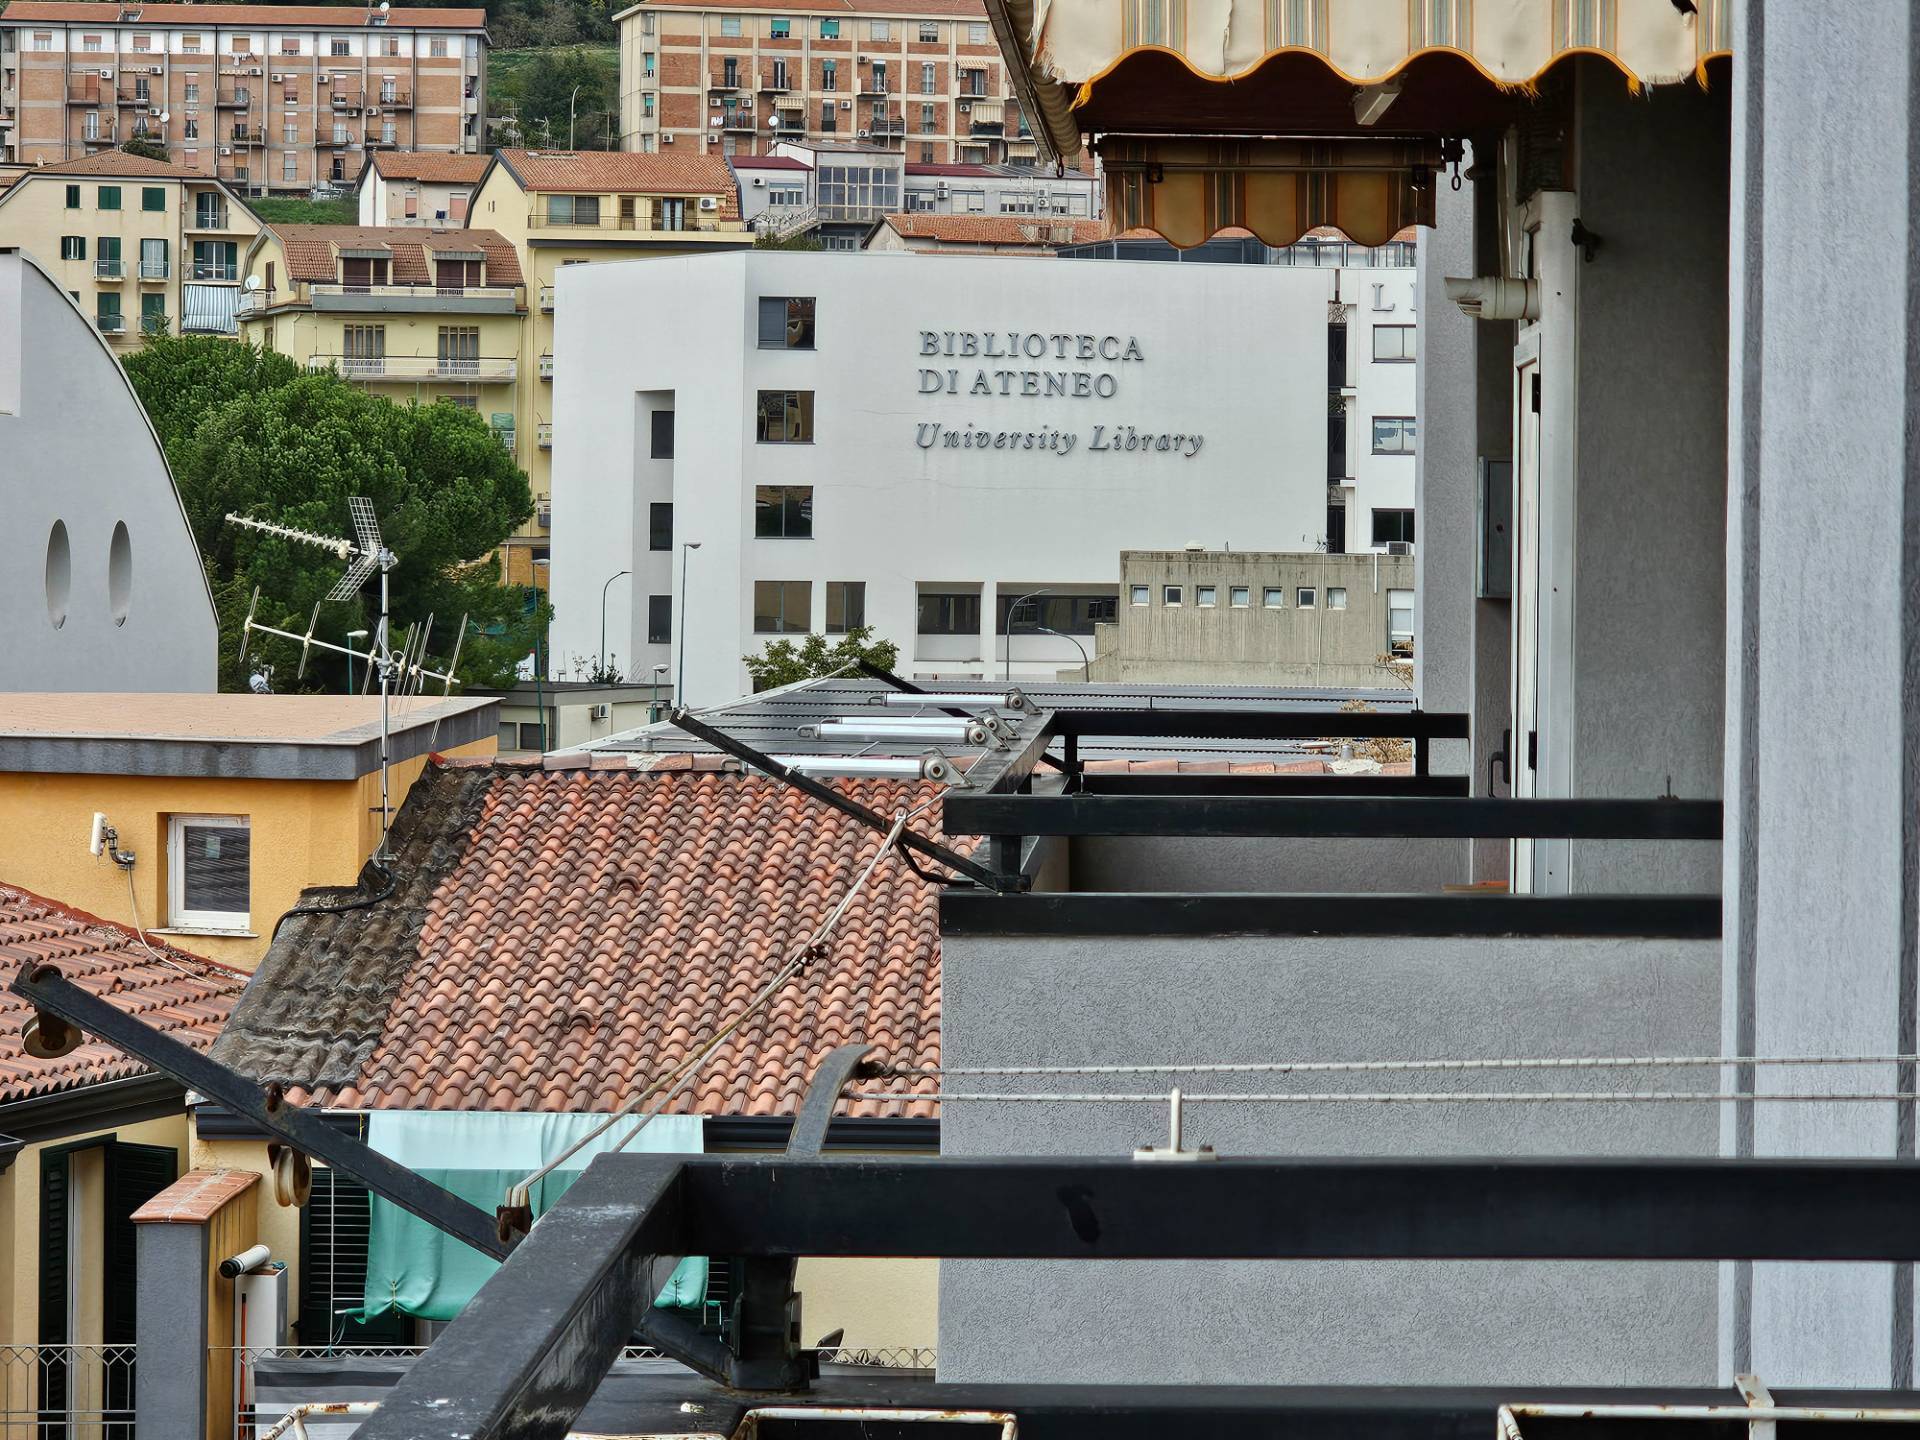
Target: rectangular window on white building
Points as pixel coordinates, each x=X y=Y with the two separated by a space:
x=846 y=605
x=949 y=612
x=1170 y=595
x=1203 y=595
x=785 y=417
x=1240 y=597
x=1393 y=434
x=1273 y=598
x=660 y=619
x=786 y=322
x=783 y=512
x=1336 y=597
x=1400 y=624
x=1393 y=343
x=209 y=872
x=1303 y=597
x=1138 y=595
x=782 y=607
x=1392 y=527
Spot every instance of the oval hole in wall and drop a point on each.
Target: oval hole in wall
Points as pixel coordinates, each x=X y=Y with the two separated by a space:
x=120 y=574
x=59 y=573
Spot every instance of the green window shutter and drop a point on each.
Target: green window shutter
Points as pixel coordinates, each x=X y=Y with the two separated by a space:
x=153 y=197
x=73 y=197
x=55 y=1178
x=106 y=303
x=153 y=313
x=109 y=197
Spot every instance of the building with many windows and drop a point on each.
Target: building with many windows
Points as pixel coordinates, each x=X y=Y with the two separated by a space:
x=266 y=97
x=560 y=208
x=922 y=78
x=854 y=439
x=430 y=315
x=138 y=244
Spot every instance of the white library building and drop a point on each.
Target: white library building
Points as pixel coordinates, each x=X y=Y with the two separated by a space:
x=762 y=444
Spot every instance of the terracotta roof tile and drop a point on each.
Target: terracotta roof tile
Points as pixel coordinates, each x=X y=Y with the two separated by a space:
x=182 y=994
x=559 y=937
x=196 y=1197
x=328 y=16
x=1042 y=232
x=609 y=172
x=119 y=162
x=311 y=250
x=435 y=167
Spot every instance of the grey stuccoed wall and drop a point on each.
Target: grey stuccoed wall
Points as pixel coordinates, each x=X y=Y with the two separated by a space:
x=1118 y=1000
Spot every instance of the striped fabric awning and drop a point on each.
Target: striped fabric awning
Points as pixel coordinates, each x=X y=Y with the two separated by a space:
x=209 y=309
x=1280 y=66
x=1188 y=190
x=987 y=112
x=790 y=102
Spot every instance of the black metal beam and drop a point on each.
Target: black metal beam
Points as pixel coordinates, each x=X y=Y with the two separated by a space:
x=1118 y=782
x=1417 y=817
x=533 y=1345
x=1265 y=724
x=308 y=1131
x=1301 y=1209
x=846 y=805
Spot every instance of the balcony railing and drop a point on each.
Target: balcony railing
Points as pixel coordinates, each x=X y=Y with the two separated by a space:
x=206 y=270
x=154 y=269
x=891 y=125
x=543 y=434
x=109 y=270
x=205 y=218
x=238 y=99
x=341 y=100
x=395 y=100
x=870 y=86
x=76 y=1392
x=115 y=324
x=546 y=367
x=694 y=219
x=482 y=369
x=413 y=292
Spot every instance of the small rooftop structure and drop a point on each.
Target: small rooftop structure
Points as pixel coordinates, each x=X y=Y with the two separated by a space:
x=309 y=737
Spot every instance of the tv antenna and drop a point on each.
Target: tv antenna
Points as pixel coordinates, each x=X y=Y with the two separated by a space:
x=402 y=671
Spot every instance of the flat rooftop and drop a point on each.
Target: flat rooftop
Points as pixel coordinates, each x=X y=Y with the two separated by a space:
x=274 y=737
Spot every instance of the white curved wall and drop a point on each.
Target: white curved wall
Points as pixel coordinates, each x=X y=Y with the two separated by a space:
x=77 y=452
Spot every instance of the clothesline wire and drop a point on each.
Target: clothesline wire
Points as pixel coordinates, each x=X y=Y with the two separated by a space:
x=678 y=1078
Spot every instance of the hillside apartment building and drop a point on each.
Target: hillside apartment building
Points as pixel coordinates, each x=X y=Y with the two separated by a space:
x=137 y=244
x=734 y=77
x=266 y=97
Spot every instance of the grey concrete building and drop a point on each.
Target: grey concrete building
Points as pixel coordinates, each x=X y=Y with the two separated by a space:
x=1234 y=617
x=101 y=585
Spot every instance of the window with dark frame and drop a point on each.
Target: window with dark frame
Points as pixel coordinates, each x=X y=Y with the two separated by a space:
x=782 y=607
x=660 y=619
x=785 y=417
x=1392 y=526
x=786 y=322
x=846 y=606
x=660 y=525
x=783 y=512
x=1393 y=434
x=660 y=437
x=943 y=612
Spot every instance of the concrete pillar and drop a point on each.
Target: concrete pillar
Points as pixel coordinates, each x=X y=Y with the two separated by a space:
x=1822 y=856
x=1491 y=688
x=1443 y=475
x=181 y=1390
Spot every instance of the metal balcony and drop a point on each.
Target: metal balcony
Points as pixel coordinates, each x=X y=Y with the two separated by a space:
x=209 y=219
x=414 y=369
x=109 y=270
x=154 y=269
x=236 y=99
x=738 y=120
x=111 y=324
x=543 y=434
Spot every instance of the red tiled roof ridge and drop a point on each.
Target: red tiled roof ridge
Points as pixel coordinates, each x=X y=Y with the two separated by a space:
x=10 y=891
x=432 y=166
x=310 y=249
x=994 y=229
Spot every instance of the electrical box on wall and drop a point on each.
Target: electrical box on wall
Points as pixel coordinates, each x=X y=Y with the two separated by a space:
x=1493 y=565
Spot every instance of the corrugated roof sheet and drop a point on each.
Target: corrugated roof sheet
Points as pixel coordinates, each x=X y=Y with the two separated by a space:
x=558 y=938
x=183 y=995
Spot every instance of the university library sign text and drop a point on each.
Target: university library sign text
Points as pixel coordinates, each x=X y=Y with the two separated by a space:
x=1033 y=366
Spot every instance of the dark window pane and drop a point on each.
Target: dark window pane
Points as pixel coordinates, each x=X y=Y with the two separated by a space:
x=660 y=525
x=783 y=512
x=773 y=322
x=217 y=860
x=947 y=614
x=800 y=323
x=846 y=605
x=785 y=416
x=662 y=436
x=659 y=619
x=1392 y=525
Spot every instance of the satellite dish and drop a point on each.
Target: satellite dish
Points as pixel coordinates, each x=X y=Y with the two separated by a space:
x=385 y=6
x=165 y=116
x=254 y=284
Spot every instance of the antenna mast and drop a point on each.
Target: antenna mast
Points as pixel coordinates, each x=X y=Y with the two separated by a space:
x=403 y=671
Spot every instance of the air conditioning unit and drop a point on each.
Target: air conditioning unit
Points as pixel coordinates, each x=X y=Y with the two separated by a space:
x=154 y=111
x=156 y=70
x=1399 y=547
x=668 y=139
x=226 y=149
x=866 y=135
x=846 y=105
x=600 y=712
x=964 y=107
x=373 y=110
x=325 y=77
x=759 y=182
x=106 y=72
x=940 y=190
x=278 y=78
x=253 y=70
x=709 y=202
x=715 y=102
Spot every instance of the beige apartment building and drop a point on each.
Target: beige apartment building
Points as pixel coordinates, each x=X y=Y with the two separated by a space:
x=139 y=245
x=559 y=208
x=265 y=97
x=735 y=77
x=418 y=187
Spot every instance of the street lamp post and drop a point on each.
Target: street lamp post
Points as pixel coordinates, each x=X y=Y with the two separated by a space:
x=1086 y=665
x=570 y=99
x=540 y=666
x=601 y=673
x=1006 y=673
x=680 y=679
x=352 y=635
x=653 y=694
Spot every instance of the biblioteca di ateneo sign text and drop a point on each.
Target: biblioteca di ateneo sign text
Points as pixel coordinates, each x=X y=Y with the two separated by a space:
x=1068 y=367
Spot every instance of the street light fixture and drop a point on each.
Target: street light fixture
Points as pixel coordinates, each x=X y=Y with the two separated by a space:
x=540 y=662
x=1086 y=665
x=1006 y=673
x=601 y=672
x=653 y=694
x=352 y=635
x=680 y=679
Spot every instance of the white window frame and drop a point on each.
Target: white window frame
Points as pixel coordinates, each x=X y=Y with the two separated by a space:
x=1171 y=596
x=1240 y=597
x=1140 y=595
x=1304 y=597
x=1205 y=596
x=1336 y=597
x=1273 y=597
x=178 y=916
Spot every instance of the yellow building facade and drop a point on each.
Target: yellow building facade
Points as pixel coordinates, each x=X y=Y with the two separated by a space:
x=138 y=244
x=223 y=807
